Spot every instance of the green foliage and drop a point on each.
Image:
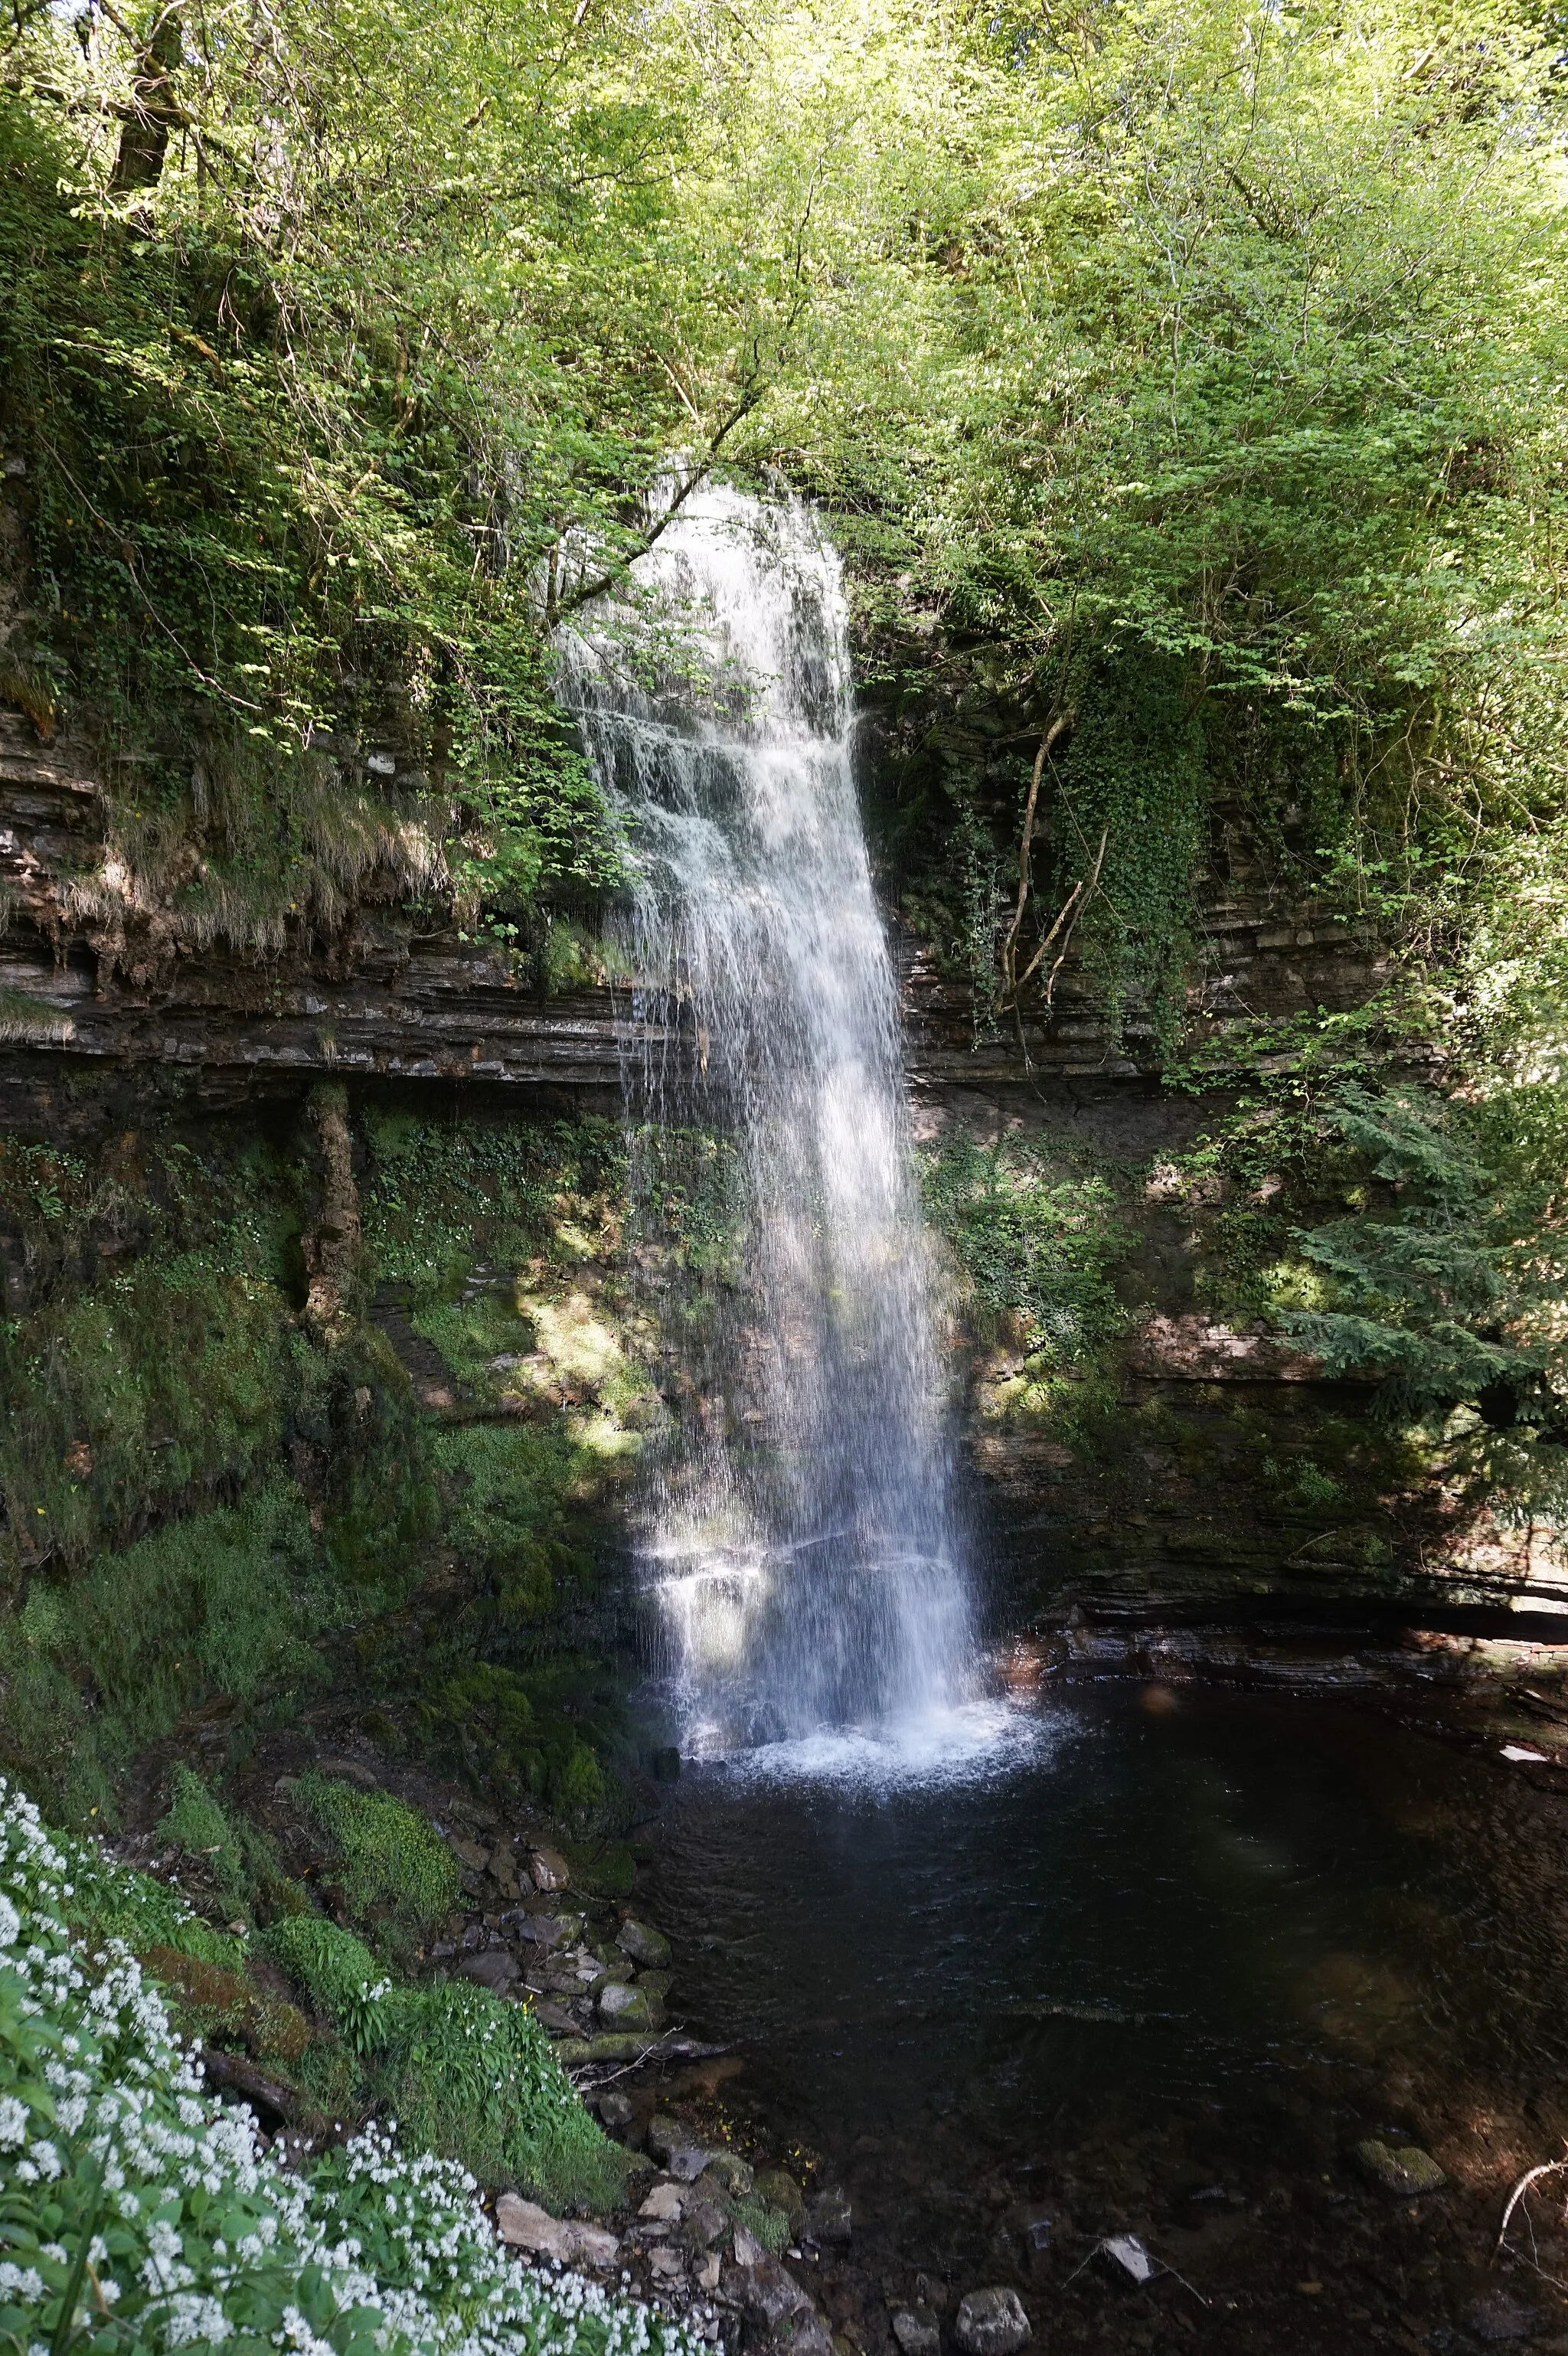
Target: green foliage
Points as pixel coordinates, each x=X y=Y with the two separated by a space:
x=392 y=1863
x=442 y=1195
x=473 y=2077
x=353 y=1417
x=1133 y=777
x=1037 y=1247
x=110 y=1901
x=237 y=1860
x=194 y=1821
x=470 y=2076
x=506 y=1730
x=338 y=1974
x=221 y=1603
x=1450 y=1289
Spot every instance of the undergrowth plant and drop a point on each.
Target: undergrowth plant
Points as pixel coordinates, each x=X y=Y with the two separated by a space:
x=138 y=2214
x=1037 y=1244
x=391 y=1861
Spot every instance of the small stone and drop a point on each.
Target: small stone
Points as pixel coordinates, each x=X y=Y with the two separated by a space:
x=665 y=2266
x=1125 y=2250
x=469 y=1853
x=503 y=1866
x=616 y=2110
x=828 y=2218
x=645 y=1944
x=549 y=1869
x=749 y=2251
x=493 y=1967
x=628 y=2006
x=1502 y=2315
x=1403 y=2169
x=917 y=2335
x=991 y=2323
x=663 y=2204
x=524 y=2225
x=708 y=2273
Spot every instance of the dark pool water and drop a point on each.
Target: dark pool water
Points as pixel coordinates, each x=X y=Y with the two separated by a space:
x=1140 y=1905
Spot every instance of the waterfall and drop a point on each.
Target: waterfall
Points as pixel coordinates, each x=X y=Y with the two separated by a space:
x=800 y=1532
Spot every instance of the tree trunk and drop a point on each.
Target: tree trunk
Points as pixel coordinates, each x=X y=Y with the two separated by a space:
x=145 y=140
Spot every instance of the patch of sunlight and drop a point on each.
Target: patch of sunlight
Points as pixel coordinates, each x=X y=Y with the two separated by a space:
x=575 y=1341
x=601 y=1435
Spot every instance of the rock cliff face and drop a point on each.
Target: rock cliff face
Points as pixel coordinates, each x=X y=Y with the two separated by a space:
x=1196 y=1497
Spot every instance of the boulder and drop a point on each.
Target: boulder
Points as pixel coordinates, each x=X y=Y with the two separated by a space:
x=549 y=1869
x=703 y=2221
x=828 y=2218
x=616 y=2110
x=918 y=2334
x=594 y=2247
x=991 y=2323
x=552 y=2015
x=663 y=2204
x=1502 y=2315
x=729 y=2171
x=524 y=2225
x=679 y=2149
x=543 y=1929
x=771 y=2295
x=493 y=1967
x=645 y=1944
x=780 y=2190
x=1402 y=2170
x=802 y=2334
x=749 y=2251
x=628 y=2008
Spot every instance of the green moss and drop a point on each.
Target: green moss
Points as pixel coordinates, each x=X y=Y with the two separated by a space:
x=223 y=1602
x=392 y=1862
x=514 y=1731
x=240 y=1860
x=441 y=1197
x=169 y=1377
x=767 y=2225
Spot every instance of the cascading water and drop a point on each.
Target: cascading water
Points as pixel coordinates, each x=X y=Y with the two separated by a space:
x=801 y=1534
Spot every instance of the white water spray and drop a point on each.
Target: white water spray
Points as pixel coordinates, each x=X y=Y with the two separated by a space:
x=801 y=1534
